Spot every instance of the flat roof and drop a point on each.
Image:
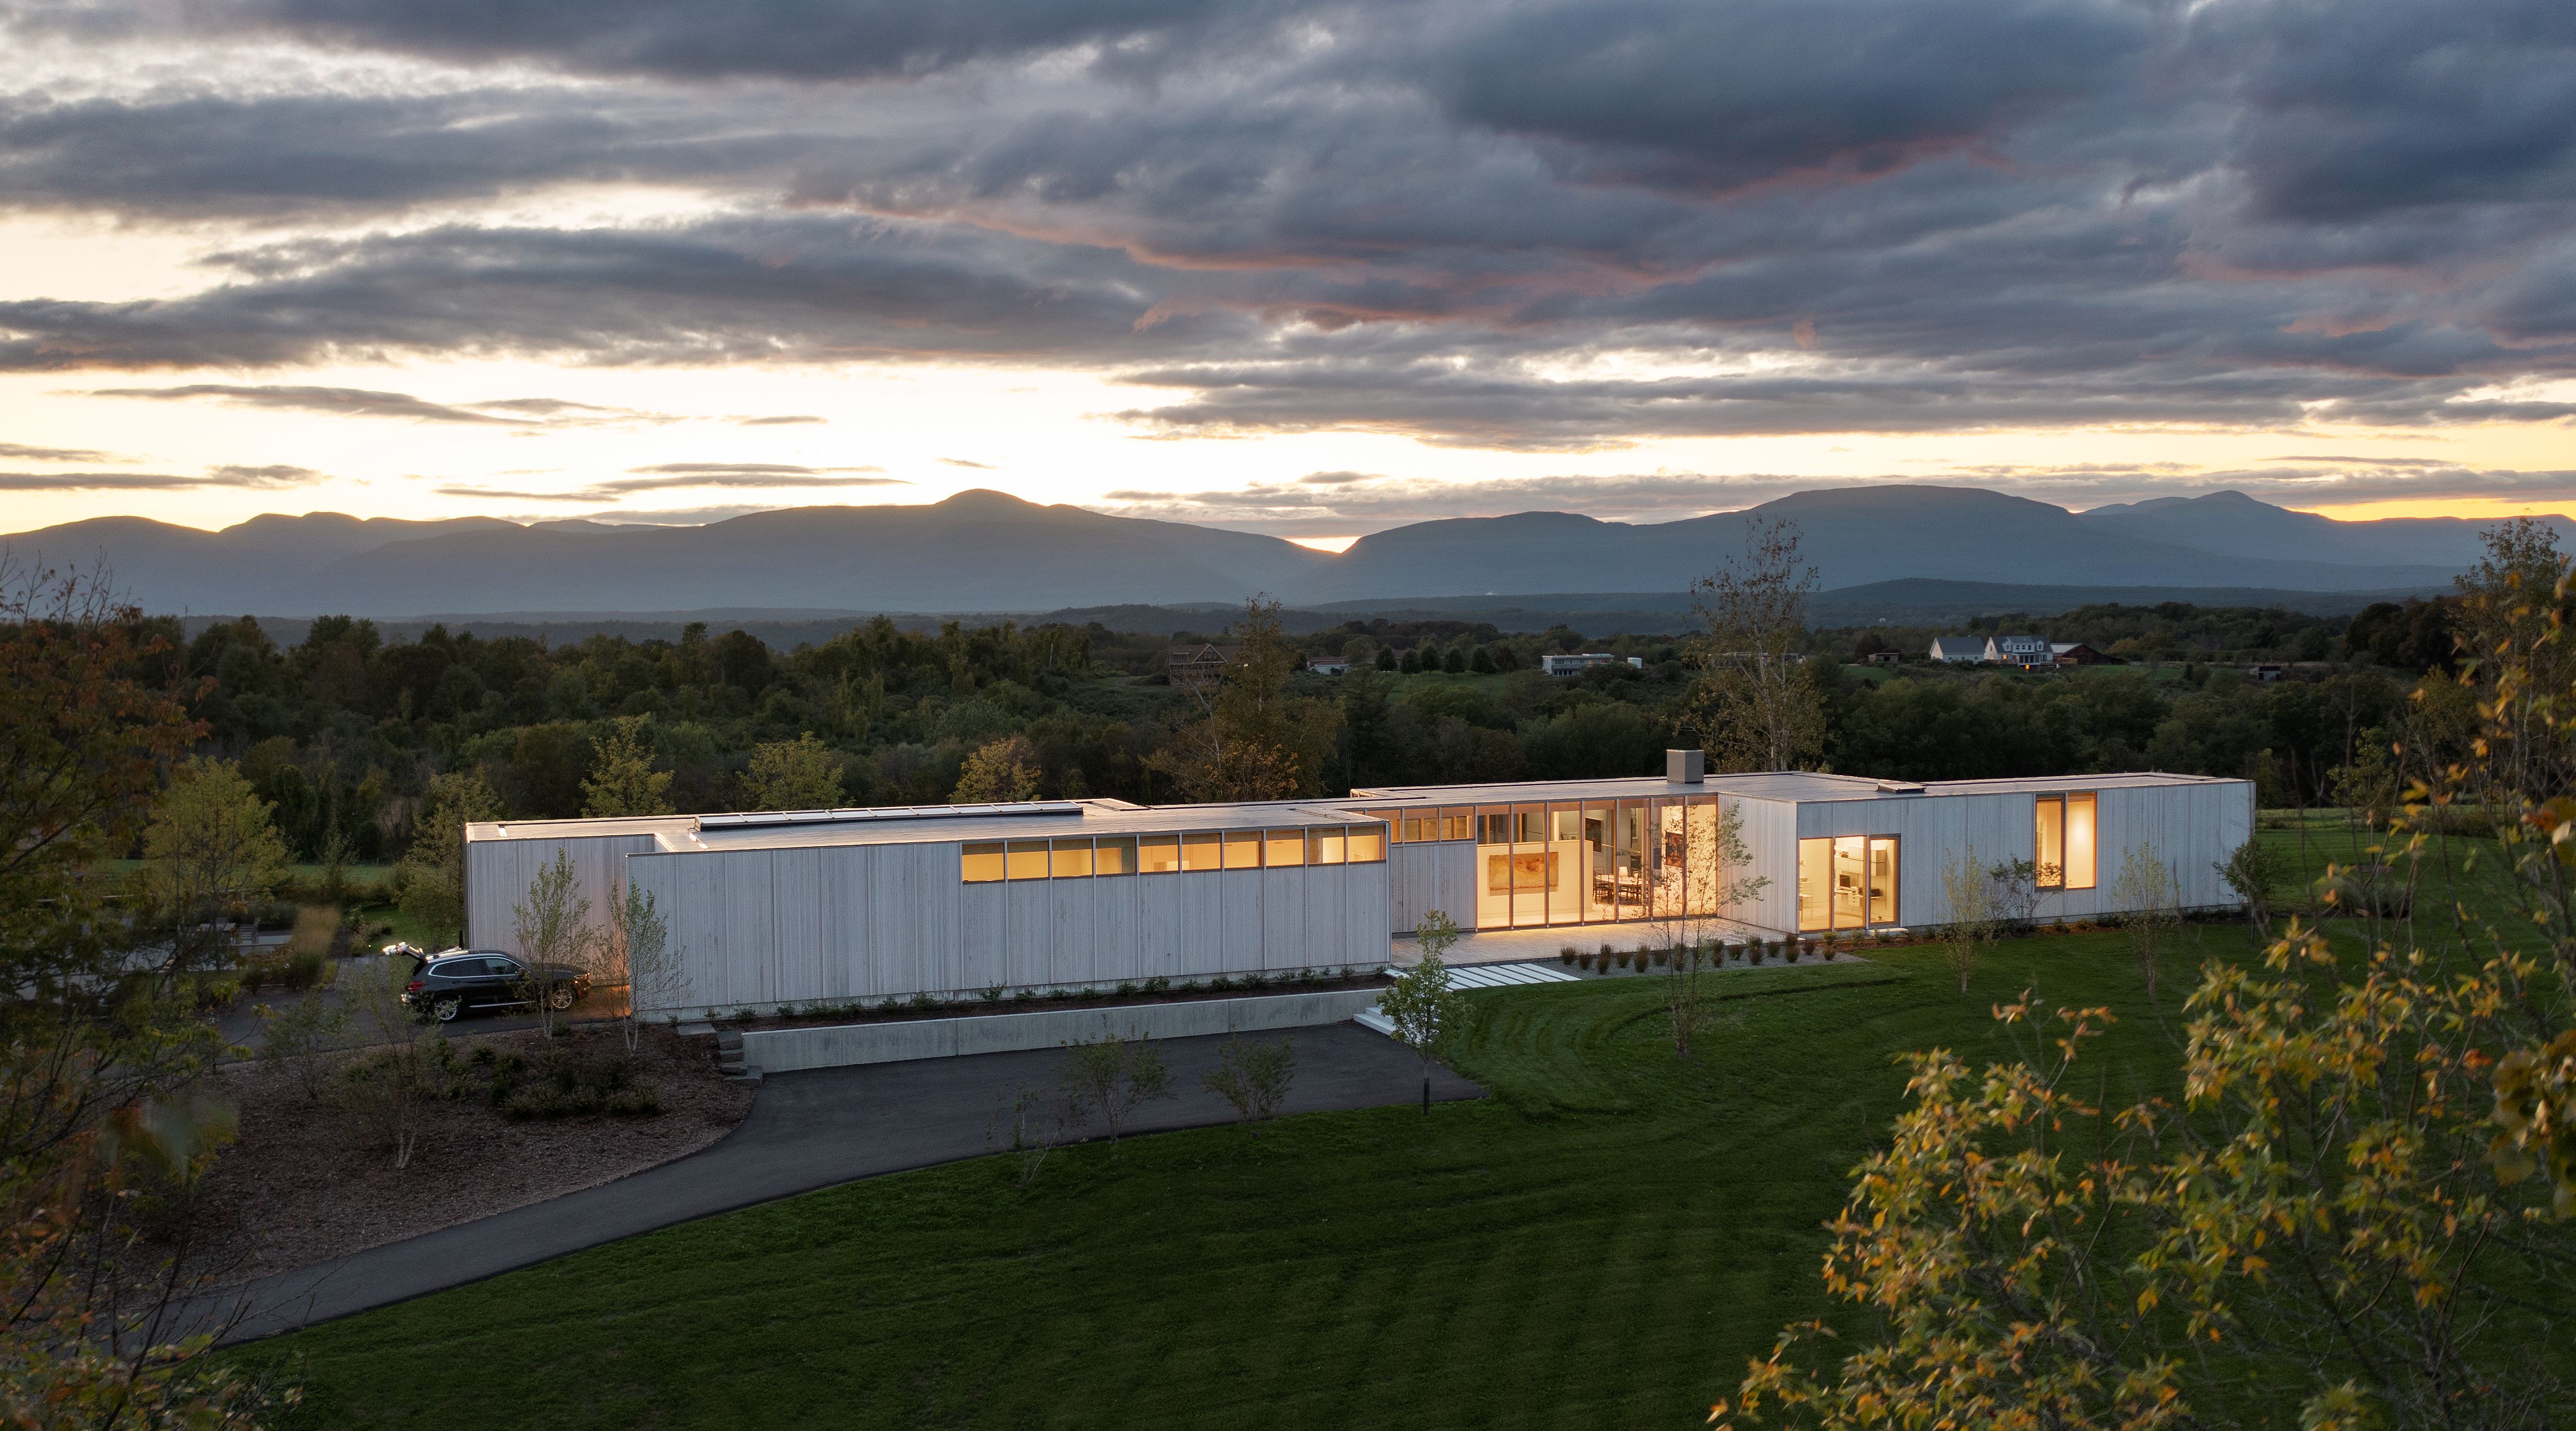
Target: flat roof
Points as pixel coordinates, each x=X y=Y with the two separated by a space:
x=1785 y=785
x=1762 y=785
x=1087 y=818
x=600 y=828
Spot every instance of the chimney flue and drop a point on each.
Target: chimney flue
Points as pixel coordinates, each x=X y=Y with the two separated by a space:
x=1685 y=767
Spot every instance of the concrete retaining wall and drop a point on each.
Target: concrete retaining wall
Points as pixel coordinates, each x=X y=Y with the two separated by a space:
x=837 y=1045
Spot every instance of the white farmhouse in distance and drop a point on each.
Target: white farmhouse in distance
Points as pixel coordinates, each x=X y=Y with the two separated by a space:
x=1958 y=650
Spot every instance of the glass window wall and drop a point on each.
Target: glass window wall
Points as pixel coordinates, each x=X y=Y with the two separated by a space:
x=1284 y=847
x=1847 y=882
x=1071 y=860
x=983 y=863
x=1158 y=854
x=1243 y=850
x=1116 y=857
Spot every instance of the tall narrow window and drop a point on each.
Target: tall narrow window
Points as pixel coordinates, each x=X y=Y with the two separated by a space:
x=1882 y=880
x=1815 y=881
x=2066 y=840
x=2050 y=842
x=2080 y=811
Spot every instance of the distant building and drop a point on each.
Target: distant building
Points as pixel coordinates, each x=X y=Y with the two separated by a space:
x=1327 y=665
x=2027 y=652
x=2076 y=653
x=1958 y=650
x=1576 y=663
x=2265 y=671
x=1199 y=666
x=1885 y=658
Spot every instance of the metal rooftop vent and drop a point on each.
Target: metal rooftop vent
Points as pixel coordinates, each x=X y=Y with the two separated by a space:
x=1899 y=787
x=759 y=818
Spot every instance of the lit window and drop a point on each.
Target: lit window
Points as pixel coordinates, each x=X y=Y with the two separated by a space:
x=1368 y=844
x=1324 y=847
x=1243 y=850
x=1158 y=854
x=983 y=863
x=2065 y=841
x=1199 y=852
x=1116 y=857
x=1285 y=847
x=1815 y=880
x=1071 y=860
x=1455 y=822
x=1027 y=859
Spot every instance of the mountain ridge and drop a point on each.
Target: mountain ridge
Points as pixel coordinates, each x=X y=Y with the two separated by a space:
x=982 y=550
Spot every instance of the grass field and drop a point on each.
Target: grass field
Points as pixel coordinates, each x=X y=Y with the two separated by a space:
x=1603 y=1242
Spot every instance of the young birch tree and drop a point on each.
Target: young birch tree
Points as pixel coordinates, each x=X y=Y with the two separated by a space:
x=1756 y=706
x=1690 y=939
x=639 y=952
x=1423 y=1004
x=2149 y=900
x=556 y=941
x=1974 y=912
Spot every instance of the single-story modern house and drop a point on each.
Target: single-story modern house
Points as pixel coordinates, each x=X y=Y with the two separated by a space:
x=872 y=904
x=1958 y=650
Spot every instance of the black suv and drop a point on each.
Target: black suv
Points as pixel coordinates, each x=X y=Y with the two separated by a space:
x=445 y=985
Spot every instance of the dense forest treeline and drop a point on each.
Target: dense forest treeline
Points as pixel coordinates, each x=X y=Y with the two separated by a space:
x=344 y=731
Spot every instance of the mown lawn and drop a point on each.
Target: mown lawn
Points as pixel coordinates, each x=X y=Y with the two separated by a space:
x=1604 y=1242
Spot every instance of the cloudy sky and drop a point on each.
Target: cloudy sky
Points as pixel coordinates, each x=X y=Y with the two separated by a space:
x=1308 y=268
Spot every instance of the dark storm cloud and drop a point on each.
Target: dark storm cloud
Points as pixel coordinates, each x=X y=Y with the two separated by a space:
x=794 y=289
x=1721 y=96
x=2352 y=111
x=794 y=39
x=271 y=157
x=1471 y=223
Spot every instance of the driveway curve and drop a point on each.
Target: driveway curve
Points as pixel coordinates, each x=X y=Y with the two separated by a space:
x=806 y=1131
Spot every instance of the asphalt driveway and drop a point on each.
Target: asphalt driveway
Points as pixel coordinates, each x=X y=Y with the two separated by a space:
x=808 y=1130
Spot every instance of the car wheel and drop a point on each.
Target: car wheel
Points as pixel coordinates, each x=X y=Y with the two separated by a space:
x=560 y=997
x=446 y=1007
